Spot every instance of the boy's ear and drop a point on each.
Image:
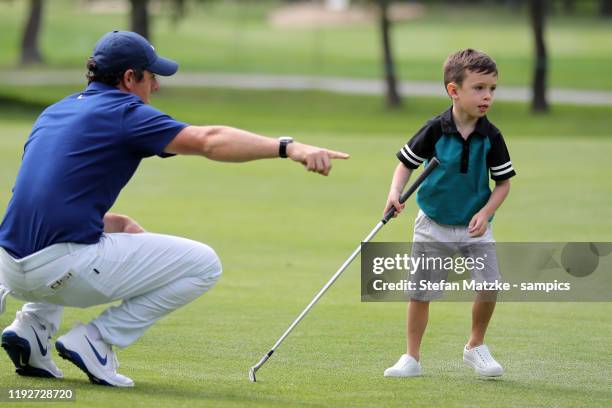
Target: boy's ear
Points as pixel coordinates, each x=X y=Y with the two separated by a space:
x=451 y=89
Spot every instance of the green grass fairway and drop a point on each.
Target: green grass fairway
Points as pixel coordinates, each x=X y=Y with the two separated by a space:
x=281 y=233
x=235 y=36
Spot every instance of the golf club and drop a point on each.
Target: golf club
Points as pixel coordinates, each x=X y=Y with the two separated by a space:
x=433 y=163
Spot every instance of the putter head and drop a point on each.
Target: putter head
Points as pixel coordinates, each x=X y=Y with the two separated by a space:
x=252 y=374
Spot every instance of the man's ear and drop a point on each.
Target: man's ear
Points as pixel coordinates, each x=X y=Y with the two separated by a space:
x=451 y=89
x=128 y=79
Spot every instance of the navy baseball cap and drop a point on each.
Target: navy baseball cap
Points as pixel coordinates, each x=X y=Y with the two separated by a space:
x=120 y=50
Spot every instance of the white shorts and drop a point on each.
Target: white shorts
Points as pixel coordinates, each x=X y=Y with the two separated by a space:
x=433 y=240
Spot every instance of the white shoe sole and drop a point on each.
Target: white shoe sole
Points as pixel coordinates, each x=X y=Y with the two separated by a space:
x=81 y=361
x=19 y=351
x=394 y=375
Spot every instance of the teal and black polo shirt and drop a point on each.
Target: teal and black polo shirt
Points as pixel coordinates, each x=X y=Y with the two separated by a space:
x=459 y=187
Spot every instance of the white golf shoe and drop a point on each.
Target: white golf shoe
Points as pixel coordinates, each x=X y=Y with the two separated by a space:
x=406 y=366
x=26 y=341
x=94 y=357
x=481 y=360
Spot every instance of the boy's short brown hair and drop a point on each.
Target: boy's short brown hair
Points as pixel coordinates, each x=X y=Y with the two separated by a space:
x=469 y=59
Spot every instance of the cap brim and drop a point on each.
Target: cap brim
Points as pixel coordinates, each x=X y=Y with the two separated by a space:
x=163 y=66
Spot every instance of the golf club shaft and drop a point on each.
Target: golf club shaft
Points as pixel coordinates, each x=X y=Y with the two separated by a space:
x=328 y=284
x=432 y=165
x=318 y=296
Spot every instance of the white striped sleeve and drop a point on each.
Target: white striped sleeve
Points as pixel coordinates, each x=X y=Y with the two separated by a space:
x=498 y=159
x=503 y=169
x=419 y=148
x=411 y=157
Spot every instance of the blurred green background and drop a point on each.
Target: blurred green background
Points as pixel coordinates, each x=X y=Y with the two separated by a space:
x=282 y=232
x=237 y=36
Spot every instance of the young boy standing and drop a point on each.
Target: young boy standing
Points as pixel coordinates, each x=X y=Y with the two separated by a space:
x=456 y=203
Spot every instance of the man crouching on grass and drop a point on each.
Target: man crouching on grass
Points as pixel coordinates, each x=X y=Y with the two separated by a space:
x=59 y=245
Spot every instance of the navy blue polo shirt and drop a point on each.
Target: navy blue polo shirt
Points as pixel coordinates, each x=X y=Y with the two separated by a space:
x=82 y=151
x=459 y=187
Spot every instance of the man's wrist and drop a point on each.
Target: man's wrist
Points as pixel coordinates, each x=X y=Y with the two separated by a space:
x=283 y=146
x=290 y=148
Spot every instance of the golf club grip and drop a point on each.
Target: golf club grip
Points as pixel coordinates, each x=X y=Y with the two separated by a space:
x=433 y=163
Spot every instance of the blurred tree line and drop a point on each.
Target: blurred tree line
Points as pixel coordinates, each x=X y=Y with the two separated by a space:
x=141 y=21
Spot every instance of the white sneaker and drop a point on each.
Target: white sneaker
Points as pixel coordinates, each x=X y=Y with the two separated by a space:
x=26 y=341
x=94 y=357
x=406 y=366
x=481 y=360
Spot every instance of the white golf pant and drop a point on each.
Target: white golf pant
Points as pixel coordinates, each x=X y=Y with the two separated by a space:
x=152 y=274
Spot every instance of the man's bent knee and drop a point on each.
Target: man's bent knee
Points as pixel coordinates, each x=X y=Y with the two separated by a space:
x=208 y=264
